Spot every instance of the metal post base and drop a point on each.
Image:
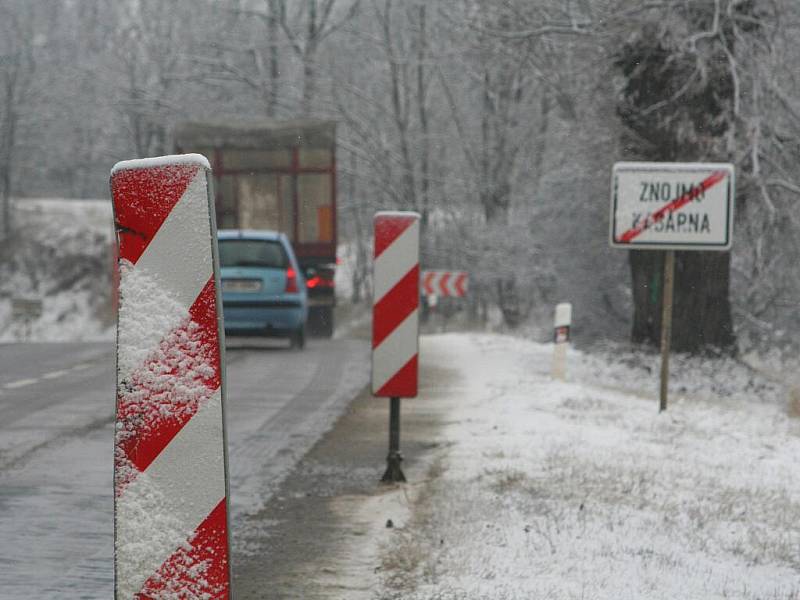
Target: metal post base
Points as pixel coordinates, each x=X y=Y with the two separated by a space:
x=394 y=473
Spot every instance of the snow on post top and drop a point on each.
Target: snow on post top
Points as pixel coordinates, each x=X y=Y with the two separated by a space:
x=397 y=213
x=161 y=161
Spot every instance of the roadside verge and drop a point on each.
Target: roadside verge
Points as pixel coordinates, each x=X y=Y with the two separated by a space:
x=320 y=535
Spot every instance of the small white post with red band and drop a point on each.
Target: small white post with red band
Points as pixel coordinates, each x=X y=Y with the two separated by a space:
x=561 y=326
x=171 y=536
x=669 y=207
x=395 y=320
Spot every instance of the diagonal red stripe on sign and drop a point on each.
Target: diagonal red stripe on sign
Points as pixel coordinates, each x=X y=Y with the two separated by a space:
x=199 y=570
x=673 y=206
x=204 y=313
x=404 y=383
x=158 y=399
x=395 y=306
x=143 y=198
x=388 y=229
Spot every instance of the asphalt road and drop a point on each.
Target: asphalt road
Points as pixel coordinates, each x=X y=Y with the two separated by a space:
x=56 y=427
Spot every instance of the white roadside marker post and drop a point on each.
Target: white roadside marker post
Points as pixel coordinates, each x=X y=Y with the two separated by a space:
x=171 y=535
x=561 y=332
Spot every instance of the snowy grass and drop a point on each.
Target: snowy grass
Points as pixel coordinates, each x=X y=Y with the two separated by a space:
x=60 y=253
x=582 y=490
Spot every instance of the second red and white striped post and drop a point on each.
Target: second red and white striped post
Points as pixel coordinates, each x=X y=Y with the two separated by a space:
x=395 y=321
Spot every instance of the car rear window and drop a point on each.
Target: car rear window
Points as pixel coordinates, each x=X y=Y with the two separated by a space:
x=252 y=253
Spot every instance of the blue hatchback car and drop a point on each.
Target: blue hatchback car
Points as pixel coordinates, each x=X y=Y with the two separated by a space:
x=263 y=289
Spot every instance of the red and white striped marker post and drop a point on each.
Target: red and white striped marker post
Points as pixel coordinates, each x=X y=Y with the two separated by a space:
x=171 y=537
x=395 y=321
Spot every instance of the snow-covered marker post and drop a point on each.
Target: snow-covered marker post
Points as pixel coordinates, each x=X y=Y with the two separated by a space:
x=668 y=207
x=561 y=330
x=395 y=321
x=171 y=536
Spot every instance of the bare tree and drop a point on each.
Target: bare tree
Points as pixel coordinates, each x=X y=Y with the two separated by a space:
x=151 y=41
x=306 y=28
x=17 y=70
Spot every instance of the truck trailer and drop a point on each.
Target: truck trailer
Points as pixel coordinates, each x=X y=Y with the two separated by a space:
x=279 y=176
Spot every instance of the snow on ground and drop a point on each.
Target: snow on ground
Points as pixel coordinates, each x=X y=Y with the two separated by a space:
x=60 y=254
x=583 y=490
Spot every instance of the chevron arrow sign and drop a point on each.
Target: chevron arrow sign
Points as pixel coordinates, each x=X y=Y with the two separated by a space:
x=445 y=283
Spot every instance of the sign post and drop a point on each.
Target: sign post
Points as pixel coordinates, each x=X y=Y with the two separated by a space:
x=171 y=536
x=26 y=310
x=395 y=321
x=669 y=207
x=666 y=326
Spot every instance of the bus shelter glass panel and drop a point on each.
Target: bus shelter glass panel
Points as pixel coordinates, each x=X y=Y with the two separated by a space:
x=259 y=207
x=225 y=187
x=255 y=160
x=316 y=211
x=286 y=192
x=315 y=158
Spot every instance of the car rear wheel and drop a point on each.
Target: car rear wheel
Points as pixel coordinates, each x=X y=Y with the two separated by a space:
x=298 y=339
x=321 y=321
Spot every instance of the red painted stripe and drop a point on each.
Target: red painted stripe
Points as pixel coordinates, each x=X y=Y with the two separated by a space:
x=388 y=228
x=443 y=284
x=673 y=206
x=460 y=280
x=404 y=383
x=143 y=198
x=199 y=570
x=395 y=306
x=428 y=282
x=204 y=313
x=167 y=391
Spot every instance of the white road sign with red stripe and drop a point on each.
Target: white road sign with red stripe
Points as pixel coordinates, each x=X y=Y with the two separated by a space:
x=445 y=283
x=672 y=206
x=170 y=508
x=395 y=316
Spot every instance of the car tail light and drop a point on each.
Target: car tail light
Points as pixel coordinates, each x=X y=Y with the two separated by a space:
x=291 y=281
x=319 y=282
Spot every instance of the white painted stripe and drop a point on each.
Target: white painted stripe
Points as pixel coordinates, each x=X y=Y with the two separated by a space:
x=395 y=351
x=54 y=374
x=158 y=291
x=163 y=506
x=20 y=383
x=396 y=261
x=81 y=367
x=451 y=284
x=179 y=255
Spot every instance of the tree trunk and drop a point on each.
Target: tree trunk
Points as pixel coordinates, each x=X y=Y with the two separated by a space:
x=274 y=64
x=701 y=321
